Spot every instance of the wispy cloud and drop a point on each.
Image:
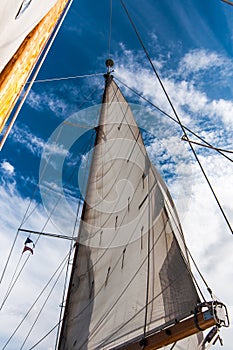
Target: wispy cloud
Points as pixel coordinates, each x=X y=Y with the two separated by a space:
x=202 y=60
x=35 y=144
x=7 y=167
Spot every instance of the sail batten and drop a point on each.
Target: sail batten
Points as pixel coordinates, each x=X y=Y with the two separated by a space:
x=130 y=274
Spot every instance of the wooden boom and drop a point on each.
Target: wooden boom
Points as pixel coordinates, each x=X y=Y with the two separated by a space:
x=174 y=333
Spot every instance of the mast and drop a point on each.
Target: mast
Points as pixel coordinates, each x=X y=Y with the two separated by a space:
x=130 y=285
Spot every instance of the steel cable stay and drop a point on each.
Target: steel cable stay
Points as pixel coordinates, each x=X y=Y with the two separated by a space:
x=24 y=219
x=110 y=29
x=12 y=283
x=119 y=297
x=182 y=237
x=49 y=80
x=28 y=214
x=178 y=118
x=221 y=151
x=15 y=279
x=60 y=266
x=45 y=301
x=193 y=260
x=35 y=243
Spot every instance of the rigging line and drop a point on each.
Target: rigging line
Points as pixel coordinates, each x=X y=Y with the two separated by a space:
x=178 y=119
x=45 y=336
x=65 y=78
x=207 y=146
x=44 y=55
x=16 y=279
x=148 y=256
x=190 y=255
x=102 y=318
x=164 y=326
x=110 y=29
x=173 y=346
x=57 y=324
x=59 y=197
x=38 y=297
x=11 y=283
x=42 y=307
x=173 y=119
x=25 y=218
x=66 y=276
x=43 y=228
x=9 y=256
x=112 y=270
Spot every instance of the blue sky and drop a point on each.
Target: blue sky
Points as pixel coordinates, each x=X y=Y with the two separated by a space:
x=191 y=45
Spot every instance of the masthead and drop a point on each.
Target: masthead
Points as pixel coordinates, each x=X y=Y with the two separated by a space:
x=109 y=63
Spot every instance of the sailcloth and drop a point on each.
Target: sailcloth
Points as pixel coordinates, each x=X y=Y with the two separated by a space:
x=130 y=274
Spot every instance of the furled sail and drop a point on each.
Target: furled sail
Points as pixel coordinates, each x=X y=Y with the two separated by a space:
x=25 y=28
x=130 y=273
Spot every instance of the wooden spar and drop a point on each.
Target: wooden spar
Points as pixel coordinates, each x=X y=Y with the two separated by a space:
x=15 y=74
x=228 y=2
x=174 y=333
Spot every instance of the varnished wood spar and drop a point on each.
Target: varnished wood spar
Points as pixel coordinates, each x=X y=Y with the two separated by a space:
x=178 y=331
x=228 y=2
x=17 y=71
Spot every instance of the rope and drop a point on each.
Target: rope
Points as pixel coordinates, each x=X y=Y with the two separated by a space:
x=38 y=297
x=148 y=260
x=207 y=146
x=11 y=284
x=219 y=150
x=110 y=29
x=9 y=256
x=66 y=78
x=42 y=308
x=16 y=279
x=26 y=217
x=177 y=117
x=187 y=262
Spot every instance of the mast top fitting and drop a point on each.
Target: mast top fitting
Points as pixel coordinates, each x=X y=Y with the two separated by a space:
x=109 y=63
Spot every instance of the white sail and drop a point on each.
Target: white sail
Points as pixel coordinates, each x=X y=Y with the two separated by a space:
x=130 y=274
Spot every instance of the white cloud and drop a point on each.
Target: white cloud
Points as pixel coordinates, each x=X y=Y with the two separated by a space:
x=189 y=101
x=48 y=254
x=206 y=232
x=47 y=101
x=200 y=59
x=7 y=167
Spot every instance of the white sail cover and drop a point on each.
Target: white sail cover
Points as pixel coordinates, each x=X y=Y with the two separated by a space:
x=18 y=18
x=130 y=274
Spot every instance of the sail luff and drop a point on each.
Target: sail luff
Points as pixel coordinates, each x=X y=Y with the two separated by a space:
x=61 y=340
x=15 y=74
x=130 y=276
